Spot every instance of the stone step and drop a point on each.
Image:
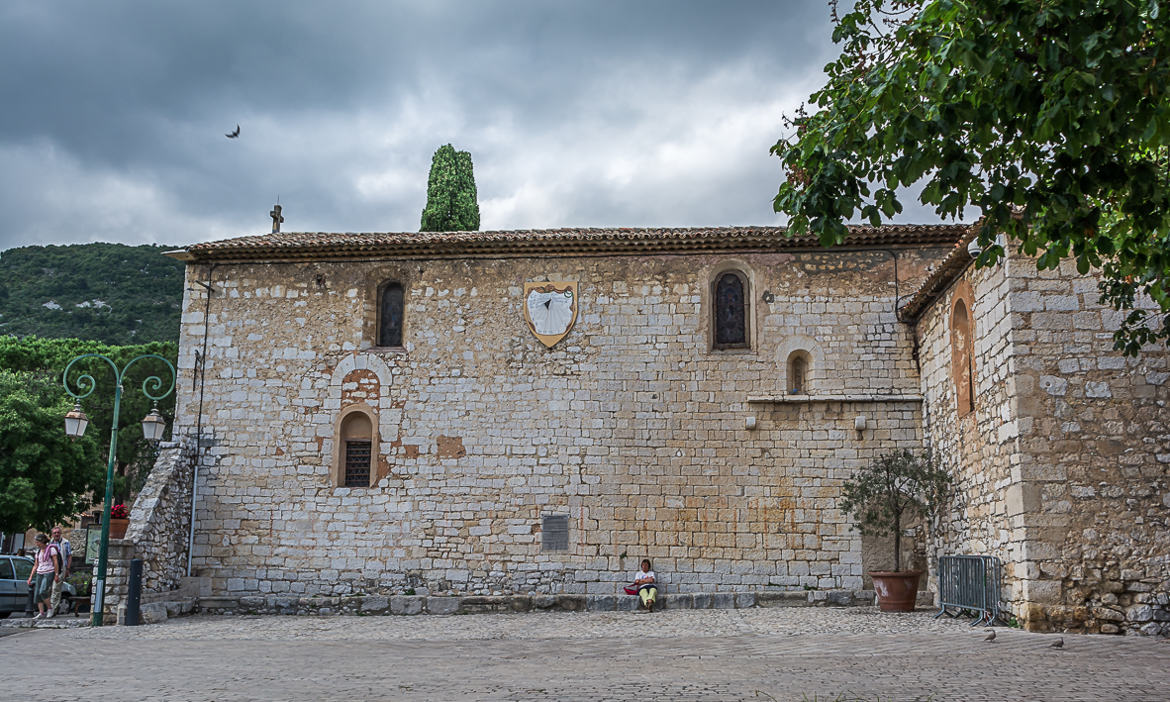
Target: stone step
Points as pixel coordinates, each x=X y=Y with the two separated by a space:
x=365 y=605
x=57 y=622
x=195 y=586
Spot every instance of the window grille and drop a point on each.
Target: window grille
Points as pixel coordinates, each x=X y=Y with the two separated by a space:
x=357 y=463
x=554 y=530
x=730 y=312
x=390 y=315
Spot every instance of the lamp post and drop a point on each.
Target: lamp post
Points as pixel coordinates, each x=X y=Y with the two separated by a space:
x=75 y=424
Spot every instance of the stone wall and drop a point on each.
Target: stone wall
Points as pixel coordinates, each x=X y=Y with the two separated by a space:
x=158 y=531
x=979 y=448
x=1063 y=466
x=1096 y=462
x=632 y=427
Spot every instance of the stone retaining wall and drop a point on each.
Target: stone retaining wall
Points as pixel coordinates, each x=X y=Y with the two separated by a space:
x=159 y=524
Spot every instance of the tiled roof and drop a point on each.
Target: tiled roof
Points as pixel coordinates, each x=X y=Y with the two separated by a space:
x=318 y=246
x=950 y=268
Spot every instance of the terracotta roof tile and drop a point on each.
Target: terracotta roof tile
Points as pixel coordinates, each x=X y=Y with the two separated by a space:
x=320 y=245
x=949 y=269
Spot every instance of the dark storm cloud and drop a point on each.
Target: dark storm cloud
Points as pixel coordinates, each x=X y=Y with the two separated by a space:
x=576 y=114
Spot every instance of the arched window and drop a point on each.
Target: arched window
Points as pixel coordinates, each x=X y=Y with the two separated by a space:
x=798 y=373
x=356 y=450
x=391 y=300
x=963 y=357
x=730 y=304
x=800 y=364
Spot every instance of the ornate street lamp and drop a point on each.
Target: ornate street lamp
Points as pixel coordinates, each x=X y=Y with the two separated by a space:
x=75 y=424
x=153 y=426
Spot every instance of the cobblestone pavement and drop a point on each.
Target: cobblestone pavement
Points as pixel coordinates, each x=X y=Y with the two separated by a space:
x=750 y=654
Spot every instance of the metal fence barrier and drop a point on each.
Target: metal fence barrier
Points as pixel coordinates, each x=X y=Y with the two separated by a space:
x=970 y=584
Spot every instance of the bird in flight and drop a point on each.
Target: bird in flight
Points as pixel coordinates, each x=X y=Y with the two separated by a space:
x=233 y=135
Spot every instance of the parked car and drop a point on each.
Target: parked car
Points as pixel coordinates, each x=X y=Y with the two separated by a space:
x=14 y=572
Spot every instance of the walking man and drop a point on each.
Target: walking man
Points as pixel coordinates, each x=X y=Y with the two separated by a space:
x=66 y=550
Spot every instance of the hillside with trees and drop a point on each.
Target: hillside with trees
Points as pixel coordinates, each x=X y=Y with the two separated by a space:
x=112 y=293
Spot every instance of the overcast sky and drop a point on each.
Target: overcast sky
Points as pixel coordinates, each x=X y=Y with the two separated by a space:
x=595 y=113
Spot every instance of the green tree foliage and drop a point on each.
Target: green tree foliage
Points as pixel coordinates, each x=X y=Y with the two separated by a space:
x=45 y=477
x=1051 y=118
x=879 y=495
x=452 y=204
x=46 y=359
x=109 y=292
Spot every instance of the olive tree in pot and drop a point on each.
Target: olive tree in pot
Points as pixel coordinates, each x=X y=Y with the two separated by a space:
x=878 y=497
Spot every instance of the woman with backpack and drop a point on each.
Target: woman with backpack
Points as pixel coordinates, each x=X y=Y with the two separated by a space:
x=46 y=572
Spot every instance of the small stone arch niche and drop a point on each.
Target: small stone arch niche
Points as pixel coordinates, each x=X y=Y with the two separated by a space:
x=360 y=413
x=798 y=366
x=801 y=363
x=962 y=333
x=357 y=447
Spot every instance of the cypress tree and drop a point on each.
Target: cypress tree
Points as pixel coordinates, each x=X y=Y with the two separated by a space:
x=452 y=204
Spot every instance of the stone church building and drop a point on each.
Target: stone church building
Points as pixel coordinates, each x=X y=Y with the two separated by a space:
x=536 y=411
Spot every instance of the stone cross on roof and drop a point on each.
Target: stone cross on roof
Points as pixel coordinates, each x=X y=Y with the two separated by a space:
x=277 y=218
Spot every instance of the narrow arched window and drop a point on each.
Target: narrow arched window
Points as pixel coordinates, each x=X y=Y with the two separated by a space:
x=390 y=304
x=731 y=311
x=798 y=373
x=356 y=450
x=962 y=357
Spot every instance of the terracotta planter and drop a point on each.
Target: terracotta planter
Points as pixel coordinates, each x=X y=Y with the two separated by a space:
x=896 y=590
x=118 y=528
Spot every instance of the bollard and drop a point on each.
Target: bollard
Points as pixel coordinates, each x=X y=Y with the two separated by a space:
x=134 y=593
x=30 y=607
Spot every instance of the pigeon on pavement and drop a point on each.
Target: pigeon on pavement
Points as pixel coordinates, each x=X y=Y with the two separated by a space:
x=990 y=636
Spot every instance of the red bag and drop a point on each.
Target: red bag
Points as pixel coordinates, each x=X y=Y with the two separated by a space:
x=631 y=590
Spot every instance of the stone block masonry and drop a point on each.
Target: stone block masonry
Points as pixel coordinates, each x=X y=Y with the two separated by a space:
x=1098 y=459
x=475 y=468
x=159 y=527
x=413 y=605
x=632 y=427
x=1064 y=464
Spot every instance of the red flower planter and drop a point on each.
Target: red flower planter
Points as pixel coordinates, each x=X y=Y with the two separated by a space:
x=118 y=527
